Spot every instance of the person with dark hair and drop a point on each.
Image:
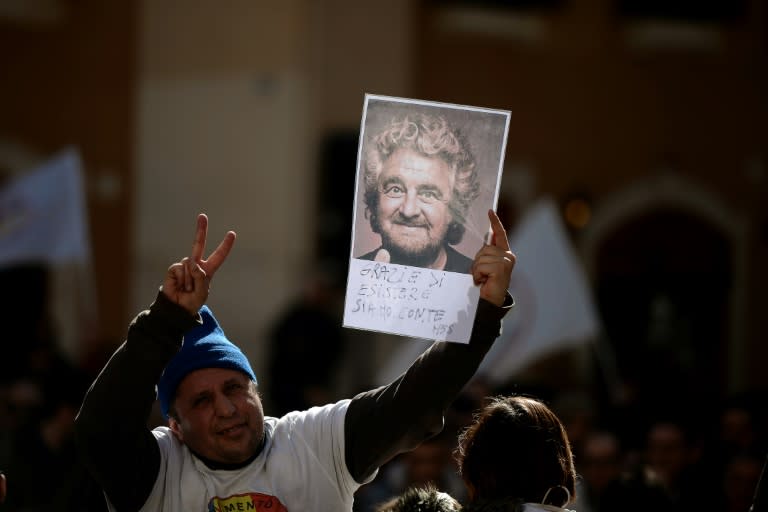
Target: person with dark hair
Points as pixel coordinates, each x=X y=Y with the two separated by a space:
x=516 y=457
x=420 y=180
x=219 y=450
x=600 y=467
x=294 y=350
x=421 y=499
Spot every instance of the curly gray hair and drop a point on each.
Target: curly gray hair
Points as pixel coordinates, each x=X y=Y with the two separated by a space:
x=430 y=136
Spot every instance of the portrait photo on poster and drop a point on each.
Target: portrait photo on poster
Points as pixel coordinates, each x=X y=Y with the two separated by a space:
x=427 y=174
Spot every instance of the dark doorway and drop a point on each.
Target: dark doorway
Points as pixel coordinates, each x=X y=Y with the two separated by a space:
x=338 y=166
x=662 y=288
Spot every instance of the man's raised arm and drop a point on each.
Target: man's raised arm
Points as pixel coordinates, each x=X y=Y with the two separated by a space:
x=111 y=426
x=394 y=418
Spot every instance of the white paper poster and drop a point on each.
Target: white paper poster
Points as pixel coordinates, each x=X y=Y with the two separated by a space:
x=427 y=174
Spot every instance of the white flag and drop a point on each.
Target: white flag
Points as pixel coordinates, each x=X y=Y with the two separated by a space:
x=554 y=304
x=43 y=219
x=42 y=214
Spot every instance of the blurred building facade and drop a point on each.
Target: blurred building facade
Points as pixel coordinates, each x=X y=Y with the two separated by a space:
x=645 y=120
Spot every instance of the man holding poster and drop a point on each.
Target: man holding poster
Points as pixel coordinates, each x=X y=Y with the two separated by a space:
x=220 y=451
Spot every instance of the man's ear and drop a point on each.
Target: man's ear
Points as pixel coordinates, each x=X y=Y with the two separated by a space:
x=176 y=429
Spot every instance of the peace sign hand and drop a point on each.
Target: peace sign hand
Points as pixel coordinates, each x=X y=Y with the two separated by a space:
x=187 y=282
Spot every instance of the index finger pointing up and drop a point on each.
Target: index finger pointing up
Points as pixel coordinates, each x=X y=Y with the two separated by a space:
x=499 y=233
x=198 y=246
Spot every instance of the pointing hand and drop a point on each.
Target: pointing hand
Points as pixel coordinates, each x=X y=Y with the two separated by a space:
x=492 y=268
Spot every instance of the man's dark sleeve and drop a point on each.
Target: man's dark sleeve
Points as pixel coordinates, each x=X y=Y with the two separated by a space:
x=111 y=428
x=397 y=417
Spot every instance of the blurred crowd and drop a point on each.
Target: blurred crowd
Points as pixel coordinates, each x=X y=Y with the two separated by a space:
x=40 y=393
x=663 y=461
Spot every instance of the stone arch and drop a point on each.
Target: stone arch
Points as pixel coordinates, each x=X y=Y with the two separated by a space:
x=672 y=190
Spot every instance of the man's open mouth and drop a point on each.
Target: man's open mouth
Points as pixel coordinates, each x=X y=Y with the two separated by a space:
x=231 y=430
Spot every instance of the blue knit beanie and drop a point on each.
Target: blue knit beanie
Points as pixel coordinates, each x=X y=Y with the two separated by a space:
x=205 y=346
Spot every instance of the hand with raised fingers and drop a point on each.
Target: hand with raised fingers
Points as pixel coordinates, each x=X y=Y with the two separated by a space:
x=188 y=281
x=492 y=267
